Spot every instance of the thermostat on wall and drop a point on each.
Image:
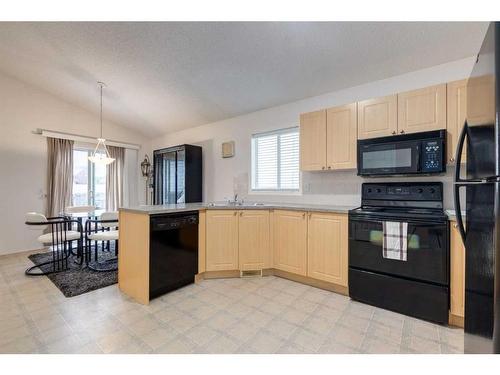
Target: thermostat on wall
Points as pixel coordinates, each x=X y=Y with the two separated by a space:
x=228 y=149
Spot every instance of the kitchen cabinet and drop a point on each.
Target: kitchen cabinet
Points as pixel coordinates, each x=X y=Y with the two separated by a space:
x=378 y=117
x=313 y=141
x=456 y=112
x=481 y=100
x=327 y=247
x=341 y=137
x=254 y=240
x=290 y=241
x=221 y=240
x=457 y=274
x=422 y=110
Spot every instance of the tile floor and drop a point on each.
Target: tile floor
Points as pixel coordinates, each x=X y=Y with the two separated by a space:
x=262 y=315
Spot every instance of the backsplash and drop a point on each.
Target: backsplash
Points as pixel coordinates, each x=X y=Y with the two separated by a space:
x=338 y=188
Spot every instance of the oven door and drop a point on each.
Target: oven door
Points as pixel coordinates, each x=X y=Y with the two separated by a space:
x=388 y=158
x=427 y=255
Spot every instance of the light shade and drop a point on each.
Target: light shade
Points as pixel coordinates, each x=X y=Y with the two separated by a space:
x=101 y=157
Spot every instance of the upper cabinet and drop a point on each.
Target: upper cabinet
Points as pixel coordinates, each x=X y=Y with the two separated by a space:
x=341 y=137
x=422 y=110
x=328 y=139
x=456 y=113
x=313 y=141
x=377 y=117
x=481 y=100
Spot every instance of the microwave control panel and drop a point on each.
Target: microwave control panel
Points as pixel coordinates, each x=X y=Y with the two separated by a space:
x=432 y=156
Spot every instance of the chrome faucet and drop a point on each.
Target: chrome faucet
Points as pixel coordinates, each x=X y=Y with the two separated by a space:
x=235 y=200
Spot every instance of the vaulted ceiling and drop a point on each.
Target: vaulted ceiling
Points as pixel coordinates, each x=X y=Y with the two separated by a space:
x=166 y=76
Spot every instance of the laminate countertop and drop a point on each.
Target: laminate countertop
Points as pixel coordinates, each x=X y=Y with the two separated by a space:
x=173 y=208
x=184 y=207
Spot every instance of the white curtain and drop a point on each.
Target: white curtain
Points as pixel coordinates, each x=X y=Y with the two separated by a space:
x=130 y=178
x=59 y=175
x=114 y=179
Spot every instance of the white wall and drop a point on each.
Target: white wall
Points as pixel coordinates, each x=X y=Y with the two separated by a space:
x=221 y=175
x=23 y=155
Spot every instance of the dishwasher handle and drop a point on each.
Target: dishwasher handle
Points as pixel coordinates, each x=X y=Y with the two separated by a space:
x=163 y=223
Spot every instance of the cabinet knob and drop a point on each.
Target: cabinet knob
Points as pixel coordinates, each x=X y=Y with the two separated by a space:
x=304 y=215
x=323 y=167
x=393 y=132
x=402 y=131
x=455 y=225
x=235 y=213
x=452 y=159
x=329 y=167
x=241 y=213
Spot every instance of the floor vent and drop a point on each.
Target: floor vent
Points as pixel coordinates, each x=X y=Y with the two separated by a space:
x=251 y=273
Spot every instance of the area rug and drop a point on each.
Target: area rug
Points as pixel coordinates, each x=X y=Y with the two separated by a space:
x=78 y=279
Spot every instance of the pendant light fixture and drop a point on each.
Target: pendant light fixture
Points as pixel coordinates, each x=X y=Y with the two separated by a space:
x=101 y=153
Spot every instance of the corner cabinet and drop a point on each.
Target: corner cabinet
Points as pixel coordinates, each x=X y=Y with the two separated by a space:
x=290 y=241
x=457 y=277
x=378 y=117
x=313 y=141
x=327 y=247
x=221 y=240
x=341 y=137
x=422 y=110
x=254 y=240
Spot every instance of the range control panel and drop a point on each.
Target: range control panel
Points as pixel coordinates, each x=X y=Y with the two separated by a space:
x=416 y=191
x=432 y=156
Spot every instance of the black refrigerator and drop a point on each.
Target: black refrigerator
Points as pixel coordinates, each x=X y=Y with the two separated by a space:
x=479 y=145
x=178 y=175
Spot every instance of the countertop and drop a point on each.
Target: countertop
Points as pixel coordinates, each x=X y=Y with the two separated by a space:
x=173 y=208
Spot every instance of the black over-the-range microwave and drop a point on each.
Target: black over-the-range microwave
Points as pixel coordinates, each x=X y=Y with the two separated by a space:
x=409 y=154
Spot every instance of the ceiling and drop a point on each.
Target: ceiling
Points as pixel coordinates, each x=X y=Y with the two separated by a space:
x=167 y=76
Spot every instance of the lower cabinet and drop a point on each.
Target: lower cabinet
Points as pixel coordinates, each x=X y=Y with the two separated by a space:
x=222 y=240
x=254 y=240
x=290 y=241
x=457 y=273
x=327 y=247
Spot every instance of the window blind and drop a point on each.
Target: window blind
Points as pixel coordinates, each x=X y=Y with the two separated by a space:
x=275 y=160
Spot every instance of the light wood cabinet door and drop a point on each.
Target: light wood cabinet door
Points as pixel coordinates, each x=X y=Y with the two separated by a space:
x=254 y=240
x=457 y=272
x=456 y=108
x=313 y=141
x=378 y=117
x=290 y=241
x=222 y=240
x=341 y=137
x=327 y=247
x=481 y=100
x=422 y=110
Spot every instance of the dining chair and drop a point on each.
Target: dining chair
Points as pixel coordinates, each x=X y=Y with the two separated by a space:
x=59 y=238
x=103 y=230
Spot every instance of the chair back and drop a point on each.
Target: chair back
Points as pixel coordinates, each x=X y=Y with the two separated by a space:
x=109 y=215
x=35 y=217
x=79 y=209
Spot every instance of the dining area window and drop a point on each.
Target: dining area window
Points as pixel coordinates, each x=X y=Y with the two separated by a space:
x=89 y=180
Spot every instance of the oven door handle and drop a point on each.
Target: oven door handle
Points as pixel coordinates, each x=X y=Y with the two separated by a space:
x=426 y=223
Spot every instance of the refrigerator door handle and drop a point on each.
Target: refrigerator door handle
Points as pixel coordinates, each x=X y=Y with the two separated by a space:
x=458 y=212
x=459 y=150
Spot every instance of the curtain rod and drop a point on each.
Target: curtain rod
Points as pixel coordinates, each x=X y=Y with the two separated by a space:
x=82 y=138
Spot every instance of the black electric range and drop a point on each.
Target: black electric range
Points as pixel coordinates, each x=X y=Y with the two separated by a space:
x=419 y=285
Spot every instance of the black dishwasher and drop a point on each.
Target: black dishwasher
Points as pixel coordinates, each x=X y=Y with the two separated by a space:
x=173 y=259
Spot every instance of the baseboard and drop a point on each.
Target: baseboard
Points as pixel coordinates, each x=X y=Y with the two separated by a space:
x=274 y=272
x=455 y=320
x=312 y=282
